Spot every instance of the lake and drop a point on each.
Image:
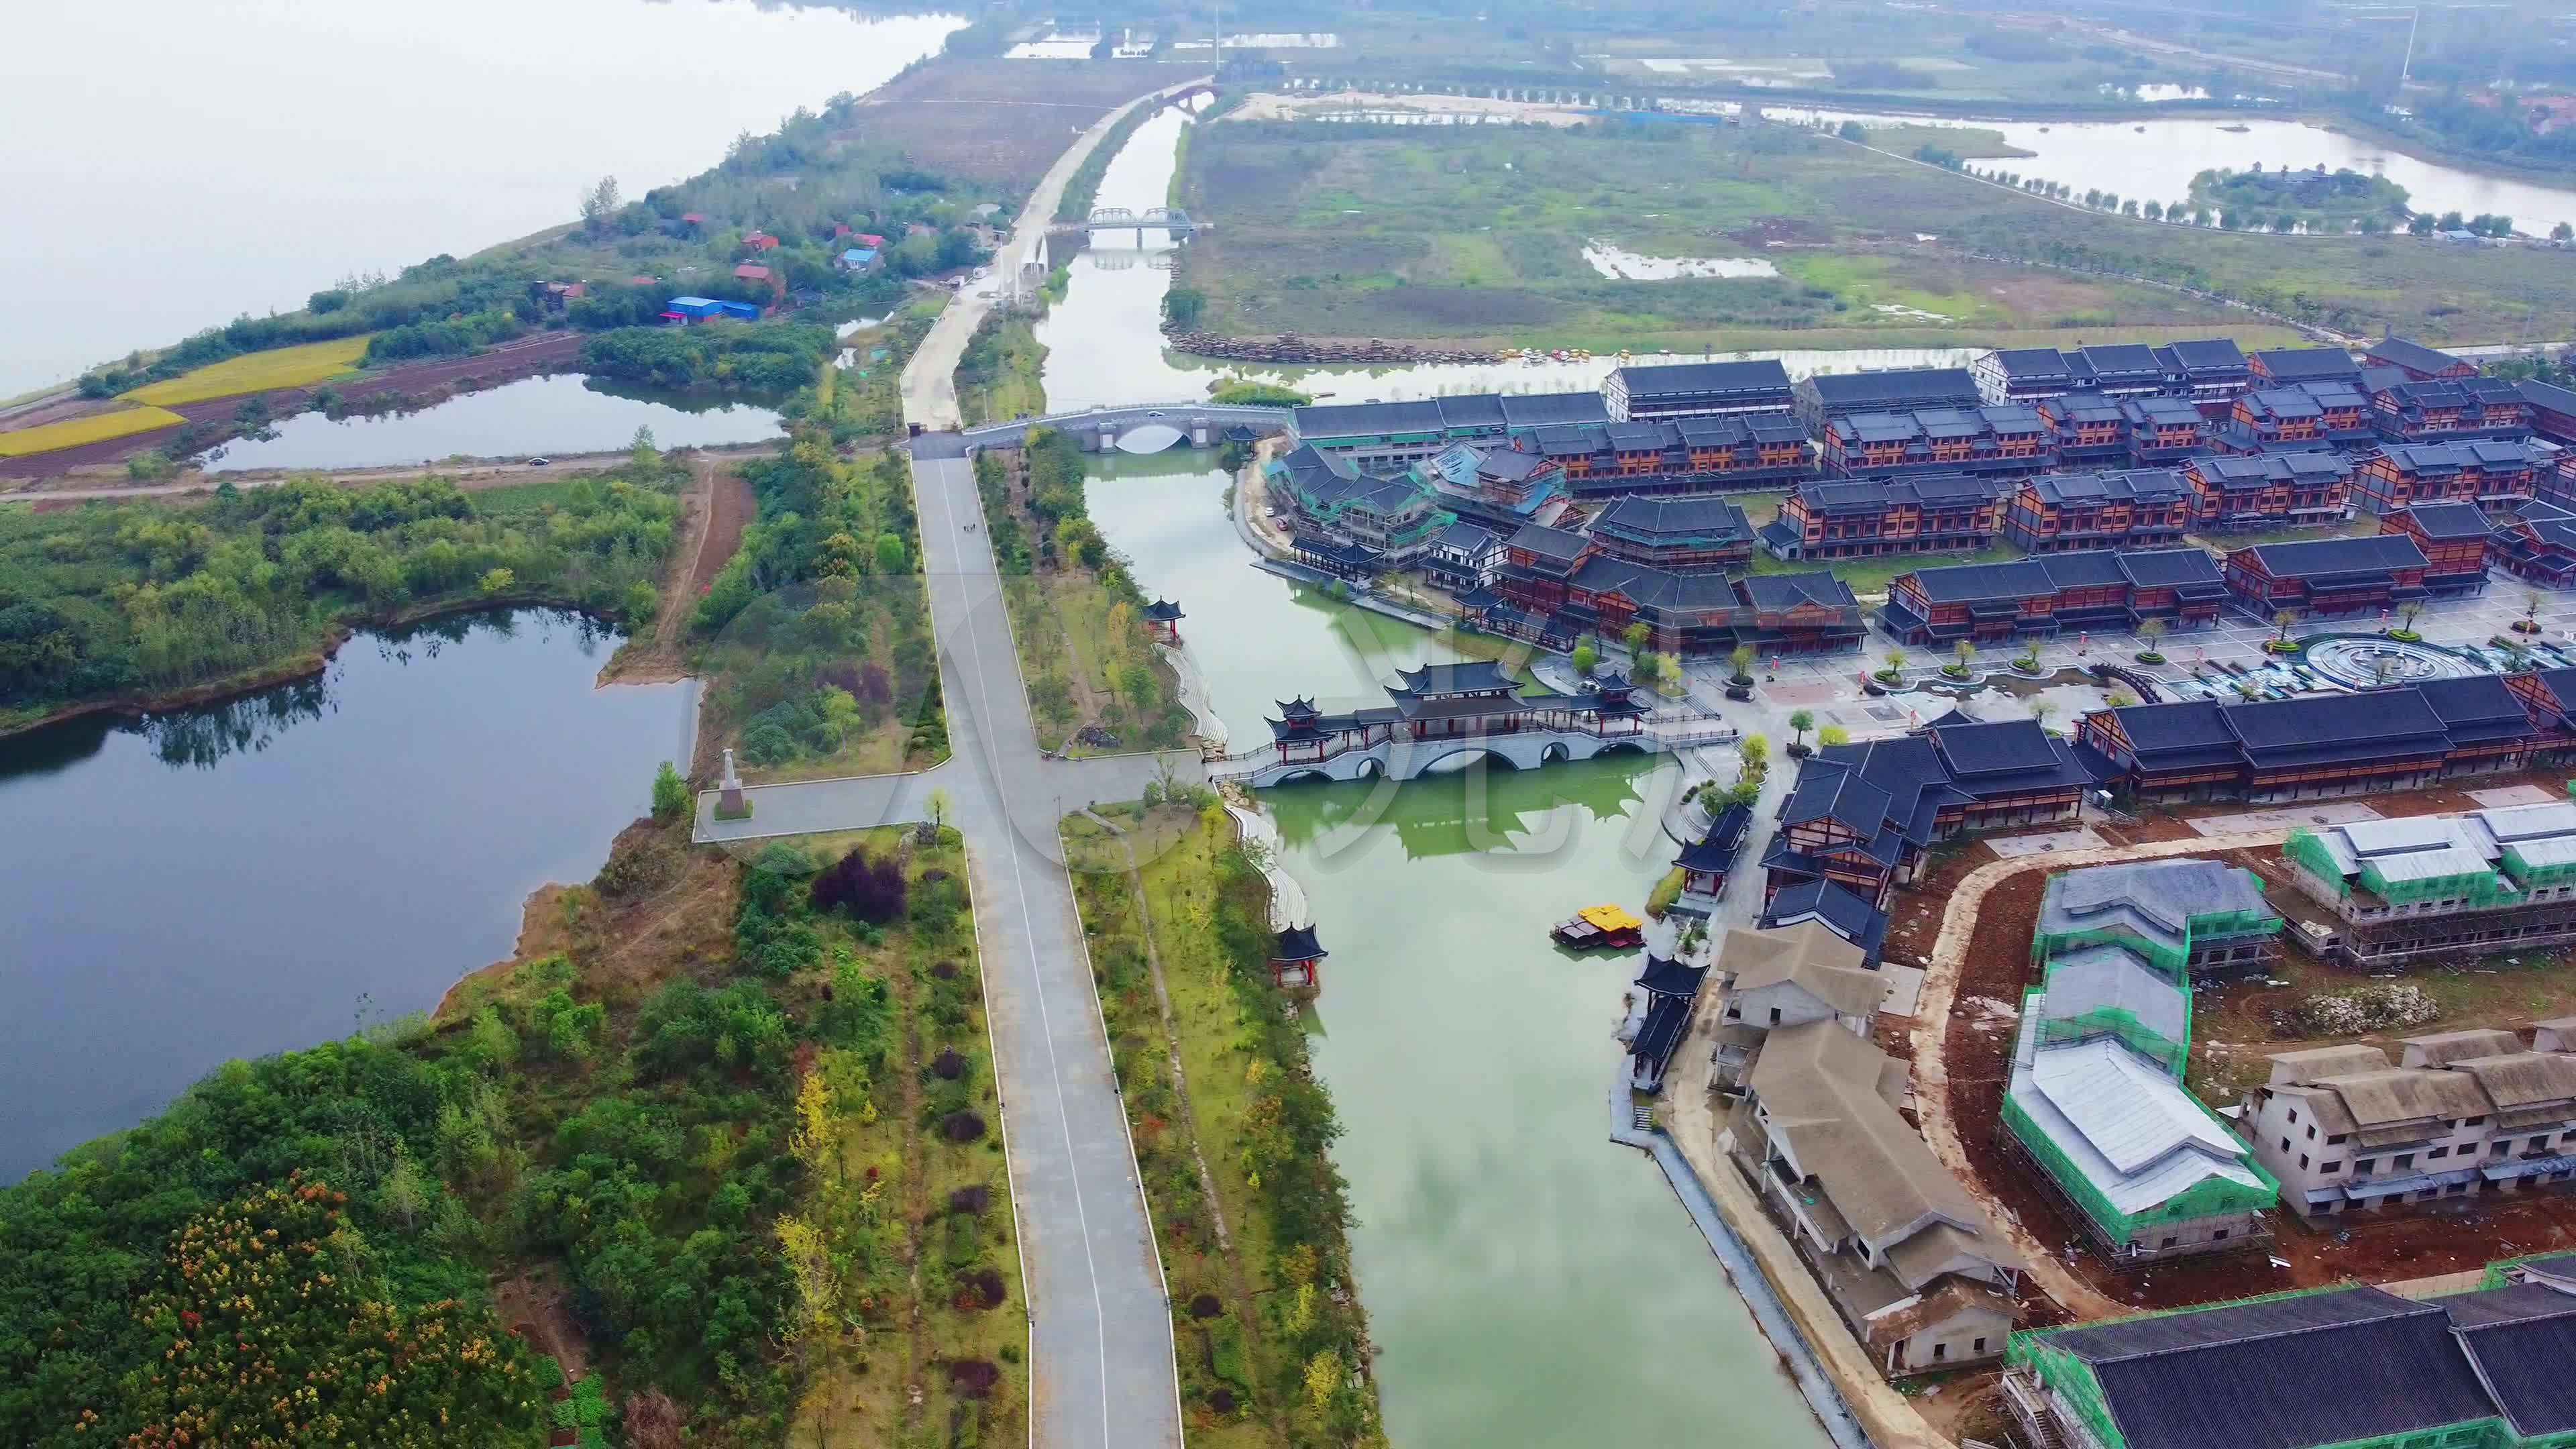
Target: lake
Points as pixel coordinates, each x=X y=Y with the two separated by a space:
x=262 y=875
x=1529 y=1284
x=184 y=163
x=2154 y=160
x=564 y=413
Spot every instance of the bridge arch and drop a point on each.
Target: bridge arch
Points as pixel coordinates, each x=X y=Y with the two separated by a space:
x=1317 y=773
x=1463 y=753
x=1619 y=747
x=1554 y=754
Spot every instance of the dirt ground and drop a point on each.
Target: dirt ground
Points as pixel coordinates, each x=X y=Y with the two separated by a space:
x=2230 y=1022
x=536 y=1306
x=982 y=119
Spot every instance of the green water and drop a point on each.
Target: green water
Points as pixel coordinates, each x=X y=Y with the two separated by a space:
x=1529 y=1283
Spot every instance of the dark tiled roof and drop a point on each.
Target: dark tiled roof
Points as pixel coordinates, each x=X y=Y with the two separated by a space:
x=1546 y=409
x=1831 y=790
x=1666 y=1023
x=2218 y=354
x=2317 y=557
x=1347 y=420
x=1653 y=588
x=1905 y=385
x=2475 y=708
x=2379 y=724
x=2298 y=364
x=1667 y=977
x=2041 y=364
x=1698 y=379
x=1473 y=675
x=1841 y=912
x=1788 y=591
x=1651 y=520
x=1477 y=410
x=2119 y=358
x=1957 y=583
x=2164 y=568
x=1466 y=538
x=2165 y=410
x=2450 y=520
x=2529 y=1362
x=1549 y=543
x=2400 y=352
x=2323 y=1368
x=1297 y=943
x=1999 y=748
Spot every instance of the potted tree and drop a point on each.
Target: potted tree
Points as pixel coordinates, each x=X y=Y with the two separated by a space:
x=1800 y=721
x=1967 y=653
x=1894 y=673
x=2280 y=643
x=2150 y=633
x=2529 y=623
x=1739 y=685
x=2407 y=614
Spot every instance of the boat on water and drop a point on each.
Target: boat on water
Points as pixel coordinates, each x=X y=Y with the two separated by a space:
x=1599 y=928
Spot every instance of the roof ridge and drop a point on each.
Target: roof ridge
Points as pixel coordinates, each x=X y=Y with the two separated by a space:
x=2414 y=1308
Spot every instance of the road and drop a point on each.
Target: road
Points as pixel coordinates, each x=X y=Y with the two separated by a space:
x=930 y=379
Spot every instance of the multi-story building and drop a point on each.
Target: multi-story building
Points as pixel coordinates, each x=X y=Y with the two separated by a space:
x=1825 y=396
x=2395 y=892
x=2273 y=490
x=2552 y=410
x=2097 y=1103
x=2297 y=420
x=2106 y=589
x=2142 y=508
x=1667 y=391
x=1686 y=455
x=2088 y=430
x=1462 y=558
x=1839 y=519
x=1924 y=1279
x=2189 y=919
x=1684 y=535
x=2463 y=1113
x=2003 y=440
x=2494 y=473
x=2537 y=545
x=1349 y=521
x=2290 y=366
x=2438 y=412
x=1771 y=980
x=2417 y=361
x=2322 y=746
x=1864 y=815
x=1494 y=485
x=2026 y=375
x=2453 y=539
x=2327 y=576
x=2206 y=374
x=1554 y=586
x=1384 y=437
x=2164 y=430
x=1831 y=905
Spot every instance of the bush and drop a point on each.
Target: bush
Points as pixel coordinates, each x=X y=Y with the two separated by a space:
x=670 y=793
x=868 y=890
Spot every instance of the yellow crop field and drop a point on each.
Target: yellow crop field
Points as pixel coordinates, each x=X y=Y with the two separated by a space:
x=97 y=427
x=257 y=372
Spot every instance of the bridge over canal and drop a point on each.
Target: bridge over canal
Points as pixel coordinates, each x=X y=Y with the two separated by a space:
x=1172 y=219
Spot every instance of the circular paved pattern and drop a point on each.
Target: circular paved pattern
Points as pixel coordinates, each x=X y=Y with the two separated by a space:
x=2362 y=661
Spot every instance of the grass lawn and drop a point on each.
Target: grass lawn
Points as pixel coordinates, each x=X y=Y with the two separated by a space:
x=1475 y=235
x=997 y=379
x=258 y=371
x=95 y=428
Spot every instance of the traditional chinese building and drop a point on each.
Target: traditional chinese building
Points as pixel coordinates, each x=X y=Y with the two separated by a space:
x=1837 y=519
x=1824 y=396
x=1297 y=960
x=2417 y=361
x=1495 y=485
x=2106 y=589
x=2537 y=545
x=2319 y=746
x=1381 y=437
x=1555 y=586
x=1683 y=456
x=1669 y=391
x=2163 y=430
x=2551 y=409
x=2438 y=412
x=2146 y=508
x=2275 y=490
x=2088 y=430
x=1164 y=617
x=2453 y=540
x=2298 y=419
x=2327 y=576
x=2290 y=366
x=1708 y=863
x=1684 y=535
x=2492 y=473
x=2207 y=374
x=1349 y=521
x=1999 y=440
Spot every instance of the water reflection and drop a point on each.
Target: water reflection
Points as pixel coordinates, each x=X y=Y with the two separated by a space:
x=1480 y=809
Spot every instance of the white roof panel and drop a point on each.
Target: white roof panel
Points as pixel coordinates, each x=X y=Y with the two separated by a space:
x=2130 y=1129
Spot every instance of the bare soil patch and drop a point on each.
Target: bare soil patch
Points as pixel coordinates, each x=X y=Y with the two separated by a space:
x=536 y=1306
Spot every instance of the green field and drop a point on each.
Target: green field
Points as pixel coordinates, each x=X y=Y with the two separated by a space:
x=1476 y=235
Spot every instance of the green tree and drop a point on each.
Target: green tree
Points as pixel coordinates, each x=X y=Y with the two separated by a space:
x=891 y=558
x=1833 y=734
x=1800 y=721
x=1742 y=658
x=671 y=796
x=1585 y=658
x=1635 y=636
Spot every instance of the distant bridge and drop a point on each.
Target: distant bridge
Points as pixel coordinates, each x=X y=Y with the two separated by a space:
x=1171 y=219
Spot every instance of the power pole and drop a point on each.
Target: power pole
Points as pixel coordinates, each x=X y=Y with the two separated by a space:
x=2414 y=17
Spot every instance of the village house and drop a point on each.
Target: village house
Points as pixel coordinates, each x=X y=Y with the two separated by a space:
x=2297 y=420
x=1866 y=815
x=1776 y=978
x=2269 y=491
x=2327 y=577
x=2292 y=366
x=2495 y=474
x=2323 y=746
x=1495 y=486
x=1914 y=1266
x=2417 y=361
x=2205 y=374
x=1555 y=586
x=2087 y=430
x=1922 y=514
x=1708 y=863
x=2046 y=596
x=1350 y=523
x=2463 y=1113
x=2537 y=545
x=1822 y=397
x=1684 y=535
x=2453 y=539
x=2144 y=508
x=1831 y=905
x=1668 y=391
x=2437 y=412
x=2400 y=891
x=1462 y=558
x=2163 y=430
x=2096 y=1102
x=2349 y=1365
x=1999 y=440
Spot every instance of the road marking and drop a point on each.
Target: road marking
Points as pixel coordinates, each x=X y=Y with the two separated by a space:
x=1028 y=935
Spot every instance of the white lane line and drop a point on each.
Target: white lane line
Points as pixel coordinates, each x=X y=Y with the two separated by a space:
x=1028 y=939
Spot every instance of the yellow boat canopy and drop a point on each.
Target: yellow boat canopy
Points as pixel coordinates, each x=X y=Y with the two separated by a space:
x=1611 y=918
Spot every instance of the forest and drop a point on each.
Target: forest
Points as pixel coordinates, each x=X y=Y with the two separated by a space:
x=137 y=599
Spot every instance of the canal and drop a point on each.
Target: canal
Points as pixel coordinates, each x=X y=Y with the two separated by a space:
x=1531 y=1285
x=269 y=873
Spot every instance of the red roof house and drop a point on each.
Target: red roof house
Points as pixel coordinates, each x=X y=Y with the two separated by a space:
x=749 y=273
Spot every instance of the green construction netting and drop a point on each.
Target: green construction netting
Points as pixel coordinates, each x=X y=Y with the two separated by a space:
x=2048 y=946
x=2533 y=877
x=2209 y=1197
x=2304 y=849
x=2471 y=887
x=2134 y=1034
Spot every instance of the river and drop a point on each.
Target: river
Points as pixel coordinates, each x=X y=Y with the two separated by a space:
x=262 y=875
x=181 y=163
x=2154 y=160
x=564 y=413
x=1531 y=1285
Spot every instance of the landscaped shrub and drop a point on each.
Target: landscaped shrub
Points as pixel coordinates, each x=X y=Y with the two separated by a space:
x=871 y=890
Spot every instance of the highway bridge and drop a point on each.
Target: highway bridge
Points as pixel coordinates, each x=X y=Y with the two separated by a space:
x=1172 y=219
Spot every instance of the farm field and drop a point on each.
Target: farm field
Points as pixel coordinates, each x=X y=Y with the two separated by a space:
x=1476 y=236
x=95 y=428
x=982 y=120
x=257 y=372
